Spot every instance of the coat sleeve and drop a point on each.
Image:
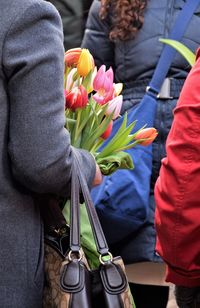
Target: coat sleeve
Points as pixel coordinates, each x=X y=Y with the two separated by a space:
x=96 y=37
x=177 y=191
x=39 y=145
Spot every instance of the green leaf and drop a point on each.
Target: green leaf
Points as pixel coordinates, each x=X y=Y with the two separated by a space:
x=121 y=138
x=113 y=162
x=182 y=49
x=96 y=133
x=87 y=81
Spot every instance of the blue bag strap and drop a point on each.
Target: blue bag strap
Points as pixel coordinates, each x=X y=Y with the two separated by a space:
x=168 y=52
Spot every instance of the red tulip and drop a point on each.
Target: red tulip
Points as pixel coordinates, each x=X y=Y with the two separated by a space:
x=108 y=131
x=72 y=56
x=147 y=135
x=76 y=98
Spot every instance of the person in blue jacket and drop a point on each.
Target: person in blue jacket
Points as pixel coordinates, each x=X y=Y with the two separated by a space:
x=125 y=35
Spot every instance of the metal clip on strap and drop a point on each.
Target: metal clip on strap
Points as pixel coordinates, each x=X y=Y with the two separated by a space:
x=164 y=92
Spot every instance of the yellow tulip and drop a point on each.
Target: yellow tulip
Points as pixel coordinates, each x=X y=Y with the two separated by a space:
x=118 y=88
x=85 y=63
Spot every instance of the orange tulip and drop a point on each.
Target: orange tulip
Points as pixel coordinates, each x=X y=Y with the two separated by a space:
x=72 y=56
x=147 y=136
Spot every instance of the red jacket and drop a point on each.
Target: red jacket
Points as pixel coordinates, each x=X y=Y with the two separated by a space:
x=177 y=191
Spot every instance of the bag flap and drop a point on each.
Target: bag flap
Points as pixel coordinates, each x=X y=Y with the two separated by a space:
x=113 y=278
x=72 y=276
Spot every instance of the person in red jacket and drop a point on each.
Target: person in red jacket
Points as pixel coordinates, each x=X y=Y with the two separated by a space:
x=177 y=195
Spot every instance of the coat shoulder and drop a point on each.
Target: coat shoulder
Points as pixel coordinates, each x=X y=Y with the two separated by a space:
x=11 y=10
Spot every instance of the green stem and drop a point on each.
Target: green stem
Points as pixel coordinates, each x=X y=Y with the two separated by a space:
x=77 y=133
x=97 y=145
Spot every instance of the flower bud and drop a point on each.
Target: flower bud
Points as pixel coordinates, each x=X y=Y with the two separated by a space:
x=147 y=136
x=85 y=63
x=103 y=81
x=72 y=56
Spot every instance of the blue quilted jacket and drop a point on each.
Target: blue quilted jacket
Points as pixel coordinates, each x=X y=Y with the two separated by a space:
x=134 y=62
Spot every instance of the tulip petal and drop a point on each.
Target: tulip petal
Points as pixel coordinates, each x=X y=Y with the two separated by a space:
x=69 y=80
x=115 y=106
x=85 y=63
x=72 y=56
x=110 y=74
x=146 y=135
x=98 y=82
x=76 y=98
x=118 y=88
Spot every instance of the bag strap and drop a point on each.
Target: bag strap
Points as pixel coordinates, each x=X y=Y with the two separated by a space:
x=78 y=183
x=74 y=241
x=168 y=52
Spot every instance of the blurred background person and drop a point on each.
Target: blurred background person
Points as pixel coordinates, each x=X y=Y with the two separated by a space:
x=74 y=14
x=125 y=35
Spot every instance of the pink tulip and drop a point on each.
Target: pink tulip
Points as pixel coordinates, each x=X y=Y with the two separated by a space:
x=76 y=98
x=103 y=81
x=115 y=106
x=148 y=134
x=103 y=85
x=103 y=99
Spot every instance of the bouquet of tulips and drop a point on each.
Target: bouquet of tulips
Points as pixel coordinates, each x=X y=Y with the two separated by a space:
x=93 y=102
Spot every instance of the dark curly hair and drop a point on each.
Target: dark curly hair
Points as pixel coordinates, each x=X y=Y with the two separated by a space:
x=128 y=17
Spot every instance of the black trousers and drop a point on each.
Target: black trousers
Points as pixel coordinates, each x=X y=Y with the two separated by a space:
x=187 y=297
x=149 y=296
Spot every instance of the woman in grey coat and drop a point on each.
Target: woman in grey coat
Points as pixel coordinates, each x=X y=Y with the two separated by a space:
x=124 y=34
x=35 y=151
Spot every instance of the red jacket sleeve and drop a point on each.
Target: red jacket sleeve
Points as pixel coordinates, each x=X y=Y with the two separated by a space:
x=177 y=191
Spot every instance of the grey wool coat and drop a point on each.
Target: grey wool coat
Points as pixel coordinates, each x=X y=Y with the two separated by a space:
x=35 y=151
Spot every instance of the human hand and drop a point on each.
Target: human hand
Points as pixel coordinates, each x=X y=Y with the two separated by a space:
x=98 y=177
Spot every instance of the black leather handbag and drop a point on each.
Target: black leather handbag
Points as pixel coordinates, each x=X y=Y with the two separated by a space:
x=70 y=282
